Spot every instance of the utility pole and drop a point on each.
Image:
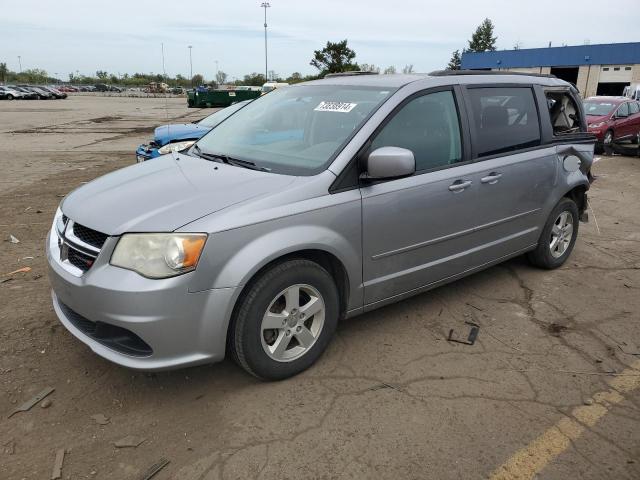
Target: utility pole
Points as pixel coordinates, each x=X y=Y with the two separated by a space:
x=265 y=5
x=190 y=66
x=20 y=58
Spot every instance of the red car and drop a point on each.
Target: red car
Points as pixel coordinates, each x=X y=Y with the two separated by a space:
x=613 y=119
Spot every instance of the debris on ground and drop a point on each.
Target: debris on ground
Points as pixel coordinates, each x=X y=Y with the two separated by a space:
x=588 y=401
x=9 y=447
x=384 y=385
x=46 y=403
x=13 y=239
x=556 y=329
x=20 y=270
x=57 y=465
x=32 y=401
x=129 y=441
x=471 y=338
x=155 y=468
x=100 y=419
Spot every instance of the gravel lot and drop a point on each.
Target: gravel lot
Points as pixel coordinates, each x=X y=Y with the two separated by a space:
x=551 y=386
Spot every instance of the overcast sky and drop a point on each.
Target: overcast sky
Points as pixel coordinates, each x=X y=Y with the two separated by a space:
x=125 y=36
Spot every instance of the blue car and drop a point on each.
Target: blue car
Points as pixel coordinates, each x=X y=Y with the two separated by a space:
x=178 y=137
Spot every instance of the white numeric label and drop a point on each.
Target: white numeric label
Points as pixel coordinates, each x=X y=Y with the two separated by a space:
x=342 y=107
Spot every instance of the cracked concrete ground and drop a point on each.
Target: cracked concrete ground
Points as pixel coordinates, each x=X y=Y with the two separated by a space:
x=391 y=398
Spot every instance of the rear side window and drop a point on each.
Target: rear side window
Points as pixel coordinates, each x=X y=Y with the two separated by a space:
x=429 y=127
x=506 y=119
x=634 y=108
x=563 y=112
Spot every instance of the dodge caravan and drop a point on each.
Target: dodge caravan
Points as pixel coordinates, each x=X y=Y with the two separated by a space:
x=318 y=202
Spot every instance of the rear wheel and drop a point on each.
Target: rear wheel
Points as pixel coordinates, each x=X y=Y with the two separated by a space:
x=285 y=320
x=558 y=236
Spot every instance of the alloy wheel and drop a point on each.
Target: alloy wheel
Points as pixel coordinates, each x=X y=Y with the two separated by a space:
x=561 y=234
x=292 y=323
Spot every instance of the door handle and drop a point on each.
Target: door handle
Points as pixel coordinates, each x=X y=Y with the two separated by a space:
x=458 y=185
x=492 y=178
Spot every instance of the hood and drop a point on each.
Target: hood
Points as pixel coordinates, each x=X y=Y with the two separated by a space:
x=597 y=118
x=165 y=194
x=179 y=131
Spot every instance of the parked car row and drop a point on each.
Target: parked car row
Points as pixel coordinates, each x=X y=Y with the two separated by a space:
x=30 y=92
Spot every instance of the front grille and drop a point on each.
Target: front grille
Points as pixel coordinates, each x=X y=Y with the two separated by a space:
x=111 y=336
x=87 y=235
x=79 y=246
x=80 y=260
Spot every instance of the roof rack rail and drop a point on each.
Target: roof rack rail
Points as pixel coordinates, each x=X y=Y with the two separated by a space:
x=445 y=73
x=349 y=74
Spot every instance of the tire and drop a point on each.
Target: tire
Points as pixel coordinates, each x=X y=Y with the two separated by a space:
x=10 y=97
x=271 y=300
x=608 y=138
x=547 y=254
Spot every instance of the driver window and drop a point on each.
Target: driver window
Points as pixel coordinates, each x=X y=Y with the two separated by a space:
x=429 y=127
x=623 y=110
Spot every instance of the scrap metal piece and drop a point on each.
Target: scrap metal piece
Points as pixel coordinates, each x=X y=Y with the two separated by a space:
x=31 y=402
x=129 y=441
x=155 y=468
x=57 y=465
x=471 y=339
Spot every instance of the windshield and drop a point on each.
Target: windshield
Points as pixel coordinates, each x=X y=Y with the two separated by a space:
x=215 y=119
x=598 y=108
x=295 y=130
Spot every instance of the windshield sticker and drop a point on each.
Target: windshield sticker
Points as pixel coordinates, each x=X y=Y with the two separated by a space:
x=342 y=107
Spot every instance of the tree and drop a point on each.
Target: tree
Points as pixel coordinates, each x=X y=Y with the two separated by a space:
x=407 y=69
x=482 y=39
x=295 y=77
x=3 y=72
x=365 y=67
x=255 y=79
x=197 y=80
x=455 y=62
x=334 y=58
x=221 y=77
x=390 y=70
x=102 y=75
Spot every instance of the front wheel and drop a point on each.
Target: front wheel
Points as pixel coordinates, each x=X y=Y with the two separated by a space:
x=9 y=97
x=558 y=236
x=286 y=320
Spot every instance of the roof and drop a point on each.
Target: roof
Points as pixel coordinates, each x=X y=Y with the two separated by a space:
x=436 y=79
x=602 y=54
x=388 y=81
x=603 y=98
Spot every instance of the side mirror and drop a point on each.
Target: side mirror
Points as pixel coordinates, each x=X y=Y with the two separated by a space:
x=390 y=162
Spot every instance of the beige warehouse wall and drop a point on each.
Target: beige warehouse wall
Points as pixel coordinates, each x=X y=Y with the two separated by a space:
x=635 y=78
x=588 y=77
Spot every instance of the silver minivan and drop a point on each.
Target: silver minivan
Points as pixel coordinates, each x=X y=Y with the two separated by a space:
x=314 y=203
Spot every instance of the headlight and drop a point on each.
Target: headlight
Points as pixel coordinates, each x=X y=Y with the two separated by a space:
x=175 y=147
x=58 y=221
x=597 y=125
x=159 y=255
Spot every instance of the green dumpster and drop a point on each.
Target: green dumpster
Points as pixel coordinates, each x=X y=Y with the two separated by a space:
x=219 y=98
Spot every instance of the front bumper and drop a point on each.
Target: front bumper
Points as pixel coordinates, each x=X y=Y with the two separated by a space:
x=146 y=152
x=180 y=328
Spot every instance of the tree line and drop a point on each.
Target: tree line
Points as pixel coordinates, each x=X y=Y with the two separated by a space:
x=334 y=57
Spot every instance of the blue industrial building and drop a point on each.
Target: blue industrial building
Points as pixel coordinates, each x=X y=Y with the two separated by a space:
x=603 y=69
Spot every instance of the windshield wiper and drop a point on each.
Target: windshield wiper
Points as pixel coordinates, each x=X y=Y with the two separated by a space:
x=229 y=160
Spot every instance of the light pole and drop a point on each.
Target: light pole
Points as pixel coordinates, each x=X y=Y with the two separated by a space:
x=20 y=62
x=190 y=66
x=265 y=5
